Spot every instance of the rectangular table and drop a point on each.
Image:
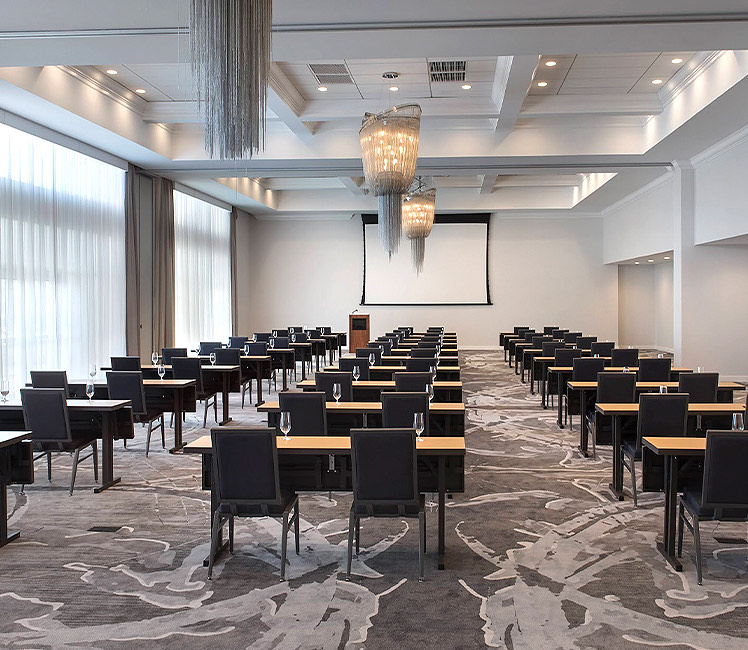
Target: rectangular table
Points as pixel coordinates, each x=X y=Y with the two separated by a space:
x=443 y=373
x=444 y=391
x=632 y=410
x=445 y=352
x=109 y=420
x=13 y=459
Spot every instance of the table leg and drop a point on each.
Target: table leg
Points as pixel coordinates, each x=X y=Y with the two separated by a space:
x=543 y=373
x=107 y=454
x=442 y=490
x=285 y=383
x=258 y=371
x=316 y=359
x=303 y=364
x=583 y=429
x=617 y=485
x=225 y=389
x=5 y=538
x=667 y=546
x=178 y=408
x=559 y=420
x=531 y=375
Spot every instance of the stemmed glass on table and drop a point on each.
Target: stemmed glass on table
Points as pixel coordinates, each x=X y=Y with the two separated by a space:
x=212 y=358
x=418 y=425
x=430 y=391
x=372 y=359
x=161 y=371
x=154 y=358
x=356 y=372
x=336 y=393
x=285 y=424
x=5 y=389
x=90 y=389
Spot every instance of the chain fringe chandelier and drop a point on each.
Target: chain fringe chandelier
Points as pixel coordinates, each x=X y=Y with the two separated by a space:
x=230 y=51
x=389 y=145
x=418 y=220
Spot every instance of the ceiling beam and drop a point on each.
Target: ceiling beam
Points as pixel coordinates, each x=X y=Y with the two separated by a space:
x=287 y=103
x=512 y=80
x=620 y=104
x=354 y=184
x=487 y=183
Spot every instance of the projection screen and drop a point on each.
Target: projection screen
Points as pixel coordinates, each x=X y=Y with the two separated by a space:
x=455 y=270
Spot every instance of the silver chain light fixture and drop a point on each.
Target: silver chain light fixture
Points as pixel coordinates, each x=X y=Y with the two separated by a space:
x=389 y=146
x=230 y=48
x=418 y=220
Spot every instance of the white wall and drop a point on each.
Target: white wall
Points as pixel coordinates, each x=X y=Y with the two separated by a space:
x=244 y=272
x=542 y=271
x=636 y=306
x=663 y=306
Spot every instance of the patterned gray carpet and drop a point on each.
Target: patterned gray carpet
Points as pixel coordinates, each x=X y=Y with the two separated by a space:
x=539 y=556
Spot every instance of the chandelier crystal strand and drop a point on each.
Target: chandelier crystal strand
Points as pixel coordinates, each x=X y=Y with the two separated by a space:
x=389 y=146
x=230 y=48
x=418 y=220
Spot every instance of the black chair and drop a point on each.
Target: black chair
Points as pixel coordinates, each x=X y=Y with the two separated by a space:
x=247 y=484
x=237 y=341
x=622 y=357
x=562 y=358
x=585 y=342
x=346 y=364
x=50 y=379
x=558 y=334
x=660 y=414
x=365 y=352
x=296 y=329
x=129 y=385
x=724 y=491
x=603 y=349
x=571 y=337
x=384 y=345
x=301 y=337
x=582 y=369
x=420 y=364
x=654 y=369
x=612 y=388
x=45 y=414
x=412 y=382
x=398 y=409
x=262 y=337
x=324 y=382
x=167 y=354
x=326 y=330
x=206 y=347
x=417 y=353
x=125 y=363
x=314 y=334
x=385 y=483
x=549 y=329
x=191 y=368
x=228 y=356
x=537 y=341
x=549 y=348
x=308 y=412
x=701 y=388
x=285 y=333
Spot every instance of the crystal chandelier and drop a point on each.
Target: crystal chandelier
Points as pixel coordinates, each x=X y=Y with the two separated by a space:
x=389 y=146
x=230 y=48
x=418 y=219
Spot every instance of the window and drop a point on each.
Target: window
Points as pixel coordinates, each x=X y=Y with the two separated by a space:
x=62 y=259
x=202 y=271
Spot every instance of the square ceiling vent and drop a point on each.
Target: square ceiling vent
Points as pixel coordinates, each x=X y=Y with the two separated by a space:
x=447 y=70
x=330 y=73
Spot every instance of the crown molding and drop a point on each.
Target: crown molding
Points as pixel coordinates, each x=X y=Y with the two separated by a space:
x=283 y=87
x=124 y=98
x=720 y=148
x=681 y=81
x=637 y=194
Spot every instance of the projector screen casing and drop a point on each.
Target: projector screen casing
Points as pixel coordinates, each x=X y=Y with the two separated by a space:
x=477 y=256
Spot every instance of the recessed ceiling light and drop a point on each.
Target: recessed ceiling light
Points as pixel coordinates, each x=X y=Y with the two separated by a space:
x=637 y=262
x=394 y=88
x=656 y=82
x=111 y=71
x=650 y=261
x=667 y=257
x=550 y=64
x=542 y=84
x=677 y=60
x=466 y=86
x=322 y=89
x=140 y=91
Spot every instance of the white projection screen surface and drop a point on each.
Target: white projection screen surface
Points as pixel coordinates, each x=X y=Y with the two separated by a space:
x=455 y=269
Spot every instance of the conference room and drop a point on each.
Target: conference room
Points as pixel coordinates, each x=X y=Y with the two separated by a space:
x=353 y=325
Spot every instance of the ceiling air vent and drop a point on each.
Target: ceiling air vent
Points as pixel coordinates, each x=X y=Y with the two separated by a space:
x=330 y=73
x=447 y=70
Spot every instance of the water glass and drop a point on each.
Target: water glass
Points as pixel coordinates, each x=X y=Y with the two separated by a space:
x=432 y=370
x=625 y=368
x=90 y=389
x=212 y=358
x=336 y=393
x=290 y=330
x=254 y=338
x=275 y=333
x=430 y=391
x=372 y=359
x=418 y=425
x=356 y=372
x=272 y=343
x=161 y=371
x=293 y=338
x=154 y=358
x=699 y=368
x=285 y=424
x=663 y=389
x=738 y=422
x=92 y=370
x=660 y=356
x=5 y=389
x=246 y=349
x=596 y=355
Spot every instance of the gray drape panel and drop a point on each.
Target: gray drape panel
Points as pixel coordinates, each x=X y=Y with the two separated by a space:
x=234 y=305
x=132 y=260
x=163 y=263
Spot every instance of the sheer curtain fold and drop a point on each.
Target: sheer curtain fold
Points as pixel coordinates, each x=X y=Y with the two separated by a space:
x=62 y=259
x=234 y=287
x=163 y=263
x=132 y=259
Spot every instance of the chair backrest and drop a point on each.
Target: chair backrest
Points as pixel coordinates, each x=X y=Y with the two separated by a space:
x=571 y=337
x=262 y=337
x=127 y=384
x=346 y=365
x=422 y=352
x=258 y=349
x=326 y=330
x=564 y=357
x=558 y=333
x=188 y=368
x=414 y=382
x=167 y=354
x=616 y=387
x=314 y=334
x=520 y=328
x=45 y=414
x=365 y=352
x=206 y=347
x=537 y=341
x=324 y=381
x=603 y=349
x=550 y=347
x=384 y=467
x=585 y=342
x=228 y=356
x=296 y=329
x=281 y=332
x=725 y=461
x=308 y=412
x=701 y=387
x=548 y=329
x=245 y=466
x=586 y=368
x=237 y=341
x=280 y=342
x=661 y=414
x=398 y=409
x=419 y=364
x=382 y=343
x=50 y=379
x=125 y=363
x=654 y=369
x=620 y=357
x=299 y=337
x=528 y=336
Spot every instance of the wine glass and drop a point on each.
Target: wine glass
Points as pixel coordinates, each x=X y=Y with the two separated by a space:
x=356 y=372
x=699 y=369
x=293 y=338
x=663 y=389
x=290 y=331
x=418 y=425
x=254 y=338
x=275 y=333
x=92 y=370
x=596 y=355
x=372 y=359
x=738 y=423
x=5 y=389
x=90 y=388
x=154 y=358
x=272 y=343
x=161 y=371
x=212 y=358
x=246 y=349
x=430 y=391
x=336 y=393
x=660 y=355
x=285 y=424
x=432 y=370
x=625 y=368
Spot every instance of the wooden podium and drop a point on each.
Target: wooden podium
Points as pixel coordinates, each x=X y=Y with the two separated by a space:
x=358 y=332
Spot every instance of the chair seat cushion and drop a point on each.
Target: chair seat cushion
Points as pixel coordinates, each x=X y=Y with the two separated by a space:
x=629 y=448
x=693 y=500
x=256 y=510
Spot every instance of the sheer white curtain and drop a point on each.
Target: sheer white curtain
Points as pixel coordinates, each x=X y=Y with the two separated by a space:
x=202 y=265
x=62 y=259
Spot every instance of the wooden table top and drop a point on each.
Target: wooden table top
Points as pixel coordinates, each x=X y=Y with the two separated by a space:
x=694 y=408
x=8 y=438
x=587 y=385
x=205 y=367
x=256 y=357
x=370 y=407
x=173 y=383
x=614 y=368
x=337 y=444
x=401 y=368
x=382 y=383
x=675 y=446
x=79 y=404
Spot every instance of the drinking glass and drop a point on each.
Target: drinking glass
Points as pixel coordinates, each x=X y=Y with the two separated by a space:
x=212 y=358
x=663 y=389
x=272 y=343
x=4 y=389
x=356 y=372
x=596 y=355
x=738 y=423
x=92 y=370
x=625 y=369
x=275 y=333
x=254 y=338
x=336 y=393
x=246 y=349
x=90 y=388
x=285 y=424
x=432 y=370
x=290 y=331
x=293 y=338
x=372 y=359
x=154 y=358
x=418 y=425
x=161 y=371
x=699 y=368
x=430 y=391
x=660 y=356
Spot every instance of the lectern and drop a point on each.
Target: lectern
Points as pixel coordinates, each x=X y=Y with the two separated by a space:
x=358 y=331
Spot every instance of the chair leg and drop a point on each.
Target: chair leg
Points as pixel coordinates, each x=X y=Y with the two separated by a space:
x=632 y=470
x=49 y=465
x=231 y=534
x=163 y=433
x=215 y=408
x=351 y=526
x=296 y=525
x=76 y=455
x=422 y=545
x=213 y=543
x=205 y=416
x=680 y=529
x=697 y=547
x=95 y=448
x=284 y=545
x=148 y=439
x=358 y=533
